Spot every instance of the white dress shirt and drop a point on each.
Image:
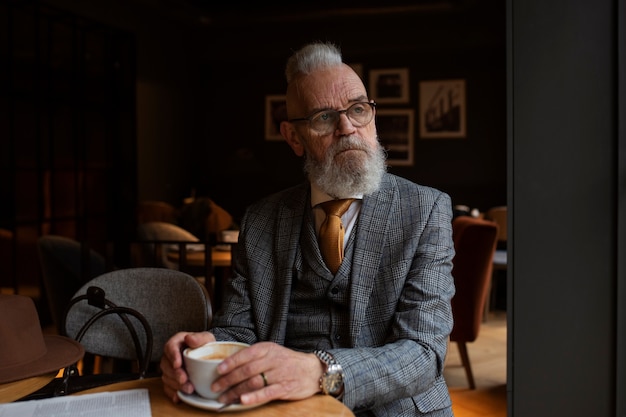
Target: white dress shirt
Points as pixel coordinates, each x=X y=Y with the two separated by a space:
x=348 y=219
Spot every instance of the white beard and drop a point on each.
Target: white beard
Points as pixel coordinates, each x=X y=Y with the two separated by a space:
x=353 y=176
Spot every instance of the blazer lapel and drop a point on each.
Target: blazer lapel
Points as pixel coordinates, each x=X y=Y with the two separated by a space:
x=289 y=227
x=372 y=229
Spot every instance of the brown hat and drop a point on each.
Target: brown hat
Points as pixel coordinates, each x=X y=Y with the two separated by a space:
x=25 y=352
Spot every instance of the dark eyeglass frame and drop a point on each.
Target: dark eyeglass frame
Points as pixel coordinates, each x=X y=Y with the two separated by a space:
x=372 y=104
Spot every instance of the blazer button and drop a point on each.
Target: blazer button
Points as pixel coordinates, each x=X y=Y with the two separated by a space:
x=335 y=291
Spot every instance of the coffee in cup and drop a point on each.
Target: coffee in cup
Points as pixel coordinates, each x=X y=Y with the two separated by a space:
x=201 y=364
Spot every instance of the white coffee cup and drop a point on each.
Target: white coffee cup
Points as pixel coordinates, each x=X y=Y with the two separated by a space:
x=201 y=364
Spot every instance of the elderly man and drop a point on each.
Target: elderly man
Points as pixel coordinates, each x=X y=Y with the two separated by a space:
x=369 y=323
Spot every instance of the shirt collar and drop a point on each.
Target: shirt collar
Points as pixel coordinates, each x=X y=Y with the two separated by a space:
x=318 y=196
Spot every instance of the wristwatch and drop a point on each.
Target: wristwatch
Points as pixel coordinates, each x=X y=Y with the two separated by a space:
x=331 y=382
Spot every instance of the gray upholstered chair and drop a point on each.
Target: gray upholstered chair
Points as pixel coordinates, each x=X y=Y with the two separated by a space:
x=170 y=301
x=158 y=247
x=164 y=231
x=159 y=237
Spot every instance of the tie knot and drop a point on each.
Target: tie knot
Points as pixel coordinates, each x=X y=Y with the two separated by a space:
x=336 y=207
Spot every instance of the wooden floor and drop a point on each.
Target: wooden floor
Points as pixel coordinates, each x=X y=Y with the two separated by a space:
x=488 y=358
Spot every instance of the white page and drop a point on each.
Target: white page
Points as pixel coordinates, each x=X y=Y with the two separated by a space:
x=126 y=403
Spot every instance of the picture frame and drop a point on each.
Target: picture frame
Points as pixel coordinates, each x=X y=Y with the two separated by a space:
x=396 y=134
x=389 y=85
x=275 y=113
x=443 y=109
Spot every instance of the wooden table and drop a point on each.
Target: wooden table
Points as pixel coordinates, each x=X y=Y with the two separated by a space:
x=316 y=406
x=219 y=258
x=221 y=263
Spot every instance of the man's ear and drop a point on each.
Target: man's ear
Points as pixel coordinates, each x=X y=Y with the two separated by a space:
x=288 y=132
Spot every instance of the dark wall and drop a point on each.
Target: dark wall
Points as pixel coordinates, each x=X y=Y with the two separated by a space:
x=201 y=87
x=170 y=88
x=240 y=165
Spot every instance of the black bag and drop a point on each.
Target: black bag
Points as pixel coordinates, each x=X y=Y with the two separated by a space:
x=72 y=381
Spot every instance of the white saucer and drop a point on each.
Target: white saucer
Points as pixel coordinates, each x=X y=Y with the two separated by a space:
x=206 y=404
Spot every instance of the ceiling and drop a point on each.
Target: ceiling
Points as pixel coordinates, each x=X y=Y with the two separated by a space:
x=210 y=12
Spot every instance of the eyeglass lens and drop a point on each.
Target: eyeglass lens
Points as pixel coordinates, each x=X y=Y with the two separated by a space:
x=359 y=115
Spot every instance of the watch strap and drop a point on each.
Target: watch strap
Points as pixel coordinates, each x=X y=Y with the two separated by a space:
x=325 y=357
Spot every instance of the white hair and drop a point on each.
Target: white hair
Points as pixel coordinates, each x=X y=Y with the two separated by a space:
x=312 y=57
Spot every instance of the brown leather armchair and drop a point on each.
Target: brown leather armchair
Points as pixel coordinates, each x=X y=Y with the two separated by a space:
x=475 y=243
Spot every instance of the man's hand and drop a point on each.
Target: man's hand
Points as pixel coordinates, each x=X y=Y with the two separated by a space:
x=174 y=376
x=289 y=375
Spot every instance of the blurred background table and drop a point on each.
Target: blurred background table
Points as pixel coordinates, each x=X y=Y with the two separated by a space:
x=219 y=257
x=221 y=263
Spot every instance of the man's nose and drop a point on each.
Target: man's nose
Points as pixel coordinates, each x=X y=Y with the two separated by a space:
x=344 y=124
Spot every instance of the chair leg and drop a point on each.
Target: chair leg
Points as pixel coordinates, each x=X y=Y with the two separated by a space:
x=489 y=299
x=466 y=364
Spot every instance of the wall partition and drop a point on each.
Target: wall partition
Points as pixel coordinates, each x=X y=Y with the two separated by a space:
x=621 y=212
x=566 y=98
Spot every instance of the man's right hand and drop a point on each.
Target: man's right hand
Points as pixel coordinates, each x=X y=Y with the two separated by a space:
x=174 y=376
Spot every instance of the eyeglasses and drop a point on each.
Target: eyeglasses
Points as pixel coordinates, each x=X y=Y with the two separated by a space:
x=325 y=122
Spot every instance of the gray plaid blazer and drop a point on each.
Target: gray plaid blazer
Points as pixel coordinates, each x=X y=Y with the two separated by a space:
x=400 y=304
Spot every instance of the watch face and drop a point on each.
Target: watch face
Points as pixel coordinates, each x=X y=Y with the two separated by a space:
x=333 y=381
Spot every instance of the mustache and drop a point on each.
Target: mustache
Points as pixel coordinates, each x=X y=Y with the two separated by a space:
x=349 y=143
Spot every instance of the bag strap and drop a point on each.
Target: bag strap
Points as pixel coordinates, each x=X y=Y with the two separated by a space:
x=96 y=297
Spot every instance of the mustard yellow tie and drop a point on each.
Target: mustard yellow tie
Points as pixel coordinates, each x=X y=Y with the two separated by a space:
x=331 y=232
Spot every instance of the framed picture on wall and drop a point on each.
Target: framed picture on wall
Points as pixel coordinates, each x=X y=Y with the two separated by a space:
x=395 y=131
x=442 y=109
x=275 y=112
x=389 y=85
